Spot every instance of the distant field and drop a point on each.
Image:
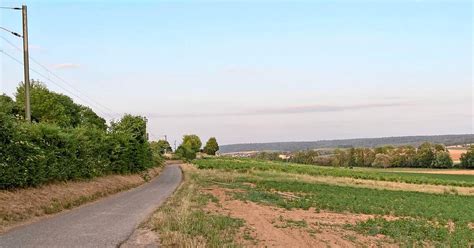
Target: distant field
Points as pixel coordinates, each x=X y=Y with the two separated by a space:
x=456 y=153
x=247 y=203
x=414 y=176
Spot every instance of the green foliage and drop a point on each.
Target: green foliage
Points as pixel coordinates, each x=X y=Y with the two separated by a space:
x=381 y=161
x=8 y=106
x=211 y=146
x=68 y=141
x=304 y=157
x=272 y=156
x=248 y=165
x=185 y=152
x=34 y=154
x=160 y=147
x=192 y=141
x=55 y=108
x=467 y=159
x=442 y=160
x=442 y=220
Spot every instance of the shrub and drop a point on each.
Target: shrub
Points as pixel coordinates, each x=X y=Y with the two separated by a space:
x=467 y=159
x=34 y=154
x=381 y=161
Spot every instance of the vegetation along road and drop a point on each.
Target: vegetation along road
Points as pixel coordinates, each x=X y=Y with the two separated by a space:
x=105 y=223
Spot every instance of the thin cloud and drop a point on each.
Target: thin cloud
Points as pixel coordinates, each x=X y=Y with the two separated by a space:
x=287 y=110
x=66 y=66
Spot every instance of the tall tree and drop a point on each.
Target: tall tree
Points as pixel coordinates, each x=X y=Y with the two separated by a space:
x=192 y=141
x=211 y=146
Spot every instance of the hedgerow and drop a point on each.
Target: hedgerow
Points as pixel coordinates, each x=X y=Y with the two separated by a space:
x=32 y=154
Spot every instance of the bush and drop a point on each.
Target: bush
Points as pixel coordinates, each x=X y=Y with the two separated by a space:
x=381 y=161
x=185 y=152
x=34 y=154
x=467 y=159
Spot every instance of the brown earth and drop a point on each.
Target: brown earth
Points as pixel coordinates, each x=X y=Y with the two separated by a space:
x=21 y=206
x=268 y=226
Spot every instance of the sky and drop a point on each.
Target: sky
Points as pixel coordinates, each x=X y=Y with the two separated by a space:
x=256 y=71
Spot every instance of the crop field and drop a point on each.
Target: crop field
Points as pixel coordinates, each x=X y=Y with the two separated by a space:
x=456 y=153
x=242 y=202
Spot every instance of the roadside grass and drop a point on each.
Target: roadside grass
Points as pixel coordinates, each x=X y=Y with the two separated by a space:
x=410 y=218
x=248 y=165
x=183 y=221
x=22 y=205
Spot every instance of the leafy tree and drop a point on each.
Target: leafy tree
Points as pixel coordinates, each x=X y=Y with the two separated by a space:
x=161 y=146
x=467 y=159
x=185 y=152
x=47 y=106
x=193 y=142
x=304 y=157
x=7 y=105
x=381 y=161
x=133 y=147
x=89 y=118
x=340 y=158
x=425 y=155
x=443 y=160
x=134 y=125
x=211 y=146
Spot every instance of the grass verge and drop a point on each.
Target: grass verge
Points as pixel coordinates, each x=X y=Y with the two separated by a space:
x=183 y=221
x=22 y=205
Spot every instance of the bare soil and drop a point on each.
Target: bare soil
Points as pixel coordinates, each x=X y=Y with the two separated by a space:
x=268 y=226
x=21 y=206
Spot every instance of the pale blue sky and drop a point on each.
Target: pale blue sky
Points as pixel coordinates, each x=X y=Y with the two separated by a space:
x=256 y=71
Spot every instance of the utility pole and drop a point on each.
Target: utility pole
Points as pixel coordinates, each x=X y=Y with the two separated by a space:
x=26 y=64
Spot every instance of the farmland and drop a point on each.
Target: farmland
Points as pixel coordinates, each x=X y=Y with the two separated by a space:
x=242 y=202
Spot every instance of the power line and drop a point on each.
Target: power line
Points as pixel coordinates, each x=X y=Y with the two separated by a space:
x=58 y=77
x=14 y=33
x=14 y=8
x=47 y=78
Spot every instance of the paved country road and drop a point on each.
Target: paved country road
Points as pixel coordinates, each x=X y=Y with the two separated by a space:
x=105 y=223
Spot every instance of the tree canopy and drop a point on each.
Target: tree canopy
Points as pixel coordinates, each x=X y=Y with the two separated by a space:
x=211 y=146
x=192 y=141
x=54 y=108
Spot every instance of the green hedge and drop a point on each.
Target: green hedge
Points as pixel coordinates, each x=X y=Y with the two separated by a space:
x=34 y=154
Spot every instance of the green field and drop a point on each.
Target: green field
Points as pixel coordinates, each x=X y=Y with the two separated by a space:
x=400 y=218
x=246 y=165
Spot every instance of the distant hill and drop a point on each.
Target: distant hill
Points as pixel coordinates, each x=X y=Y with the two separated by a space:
x=344 y=143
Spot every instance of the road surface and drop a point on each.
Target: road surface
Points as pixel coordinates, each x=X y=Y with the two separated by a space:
x=105 y=223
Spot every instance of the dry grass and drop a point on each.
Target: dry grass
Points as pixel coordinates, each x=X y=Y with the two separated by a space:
x=374 y=184
x=24 y=205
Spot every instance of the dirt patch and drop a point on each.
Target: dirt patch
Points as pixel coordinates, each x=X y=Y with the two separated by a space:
x=25 y=205
x=268 y=226
x=142 y=238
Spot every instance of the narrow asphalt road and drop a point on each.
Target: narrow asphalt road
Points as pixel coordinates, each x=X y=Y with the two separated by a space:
x=105 y=223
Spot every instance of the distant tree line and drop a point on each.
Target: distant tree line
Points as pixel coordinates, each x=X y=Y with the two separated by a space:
x=66 y=141
x=415 y=141
x=427 y=155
